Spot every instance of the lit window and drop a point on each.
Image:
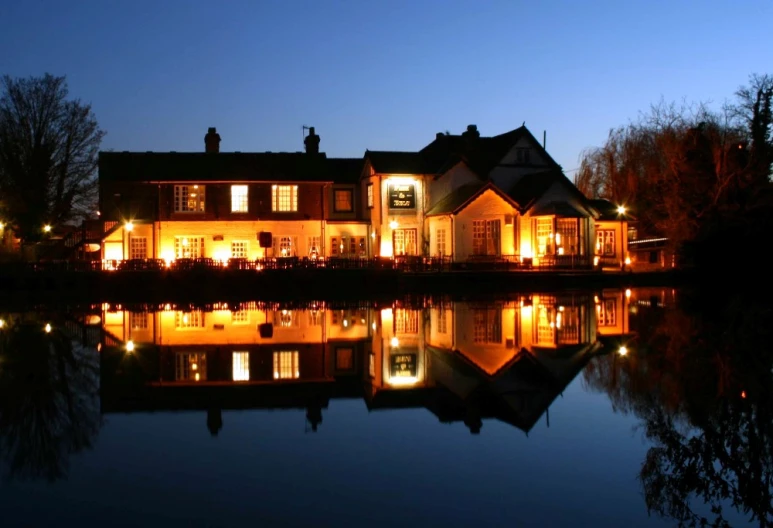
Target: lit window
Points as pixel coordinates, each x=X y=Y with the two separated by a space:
x=485 y=237
x=606 y=313
x=188 y=320
x=442 y=327
x=138 y=247
x=314 y=246
x=138 y=320
x=286 y=365
x=370 y=195
x=441 y=242
x=240 y=318
x=544 y=236
x=343 y=200
x=284 y=246
x=191 y=366
x=284 y=198
x=188 y=198
x=239 y=201
x=241 y=366
x=605 y=242
x=240 y=249
x=188 y=247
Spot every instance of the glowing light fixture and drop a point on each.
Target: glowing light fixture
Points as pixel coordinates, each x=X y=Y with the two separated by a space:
x=2 y=225
x=622 y=351
x=621 y=209
x=47 y=328
x=395 y=342
x=128 y=226
x=393 y=224
x=628 y=294
x=2 y=324
x=47 y=228
x=627 y=261
x=130 y=346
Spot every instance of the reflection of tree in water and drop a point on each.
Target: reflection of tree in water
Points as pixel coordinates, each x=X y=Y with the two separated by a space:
x=701 y=382
x=49 y=404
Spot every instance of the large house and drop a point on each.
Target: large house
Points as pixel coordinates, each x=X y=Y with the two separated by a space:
x=462 y=197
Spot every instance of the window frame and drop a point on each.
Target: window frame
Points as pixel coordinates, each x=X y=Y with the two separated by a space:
x=179 y=199
x=240 y=204
x=350 y=192
x=277 y=200
x=369 y=197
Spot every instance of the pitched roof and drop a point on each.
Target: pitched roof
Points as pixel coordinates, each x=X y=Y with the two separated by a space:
x=456 y=198
x=225 y=166
x=531 y=187
x=481 y=154
x=395 y=162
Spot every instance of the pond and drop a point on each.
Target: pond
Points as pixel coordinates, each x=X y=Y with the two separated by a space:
x=643 y=407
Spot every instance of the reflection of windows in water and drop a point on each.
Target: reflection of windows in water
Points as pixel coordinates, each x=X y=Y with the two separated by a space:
x=546 y=322
x=185 y=320
x=315 y=317
x=284 y=318
x=138 y=320
x=286 y=365
x=191 y=366
x=487 y=325
x=606 y=312
x=406 y=321
x=441 y=322
x=241 y=317
x=568 y=325
x=372 y=365
x=240 y=366
x=344 y=358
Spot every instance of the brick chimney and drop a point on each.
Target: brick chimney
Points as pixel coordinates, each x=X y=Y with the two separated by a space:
x=311 y=142
x=212 y=141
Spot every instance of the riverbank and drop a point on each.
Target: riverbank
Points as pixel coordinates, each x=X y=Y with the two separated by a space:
x=303 y=284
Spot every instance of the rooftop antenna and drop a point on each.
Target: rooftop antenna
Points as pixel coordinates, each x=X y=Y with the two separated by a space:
x=304 y=128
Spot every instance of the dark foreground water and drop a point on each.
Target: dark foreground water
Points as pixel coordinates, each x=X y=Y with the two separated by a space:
x=607 y=408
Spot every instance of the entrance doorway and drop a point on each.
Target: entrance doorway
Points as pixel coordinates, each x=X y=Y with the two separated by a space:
x=404 y=242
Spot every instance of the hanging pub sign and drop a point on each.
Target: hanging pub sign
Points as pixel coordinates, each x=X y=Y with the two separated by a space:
x=403 y=366
x=402 y=196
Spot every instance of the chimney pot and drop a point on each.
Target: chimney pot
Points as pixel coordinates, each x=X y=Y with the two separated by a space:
x=311 y=142
x=212 y=141
x=439 y=135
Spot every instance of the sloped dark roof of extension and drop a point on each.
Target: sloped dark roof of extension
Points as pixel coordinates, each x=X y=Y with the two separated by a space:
x=226 y=166
x=464 y=195
x=608 y=210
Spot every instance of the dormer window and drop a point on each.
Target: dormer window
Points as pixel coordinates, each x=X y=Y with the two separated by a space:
x=189 y=199
x=522 y=155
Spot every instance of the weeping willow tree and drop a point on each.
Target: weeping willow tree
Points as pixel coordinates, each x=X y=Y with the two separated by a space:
x=49 y=401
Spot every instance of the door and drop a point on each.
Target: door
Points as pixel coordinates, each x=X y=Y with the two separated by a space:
x=404 y=242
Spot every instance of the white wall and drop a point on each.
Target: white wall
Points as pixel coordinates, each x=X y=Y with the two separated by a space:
x=454 y=178
x=488 y=206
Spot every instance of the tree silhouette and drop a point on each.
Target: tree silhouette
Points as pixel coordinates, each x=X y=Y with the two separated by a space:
x=49 y=405
x=702 y=386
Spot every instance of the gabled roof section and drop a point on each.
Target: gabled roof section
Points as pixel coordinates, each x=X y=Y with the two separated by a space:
x=531 y=187
x=396 y=162
x=463 y=196
x=222 y=166
x=481 y=154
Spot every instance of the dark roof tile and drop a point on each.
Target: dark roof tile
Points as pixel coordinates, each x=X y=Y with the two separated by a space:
x=395 y=162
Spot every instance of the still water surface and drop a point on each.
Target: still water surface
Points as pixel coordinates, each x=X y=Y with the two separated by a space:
x=604 y=408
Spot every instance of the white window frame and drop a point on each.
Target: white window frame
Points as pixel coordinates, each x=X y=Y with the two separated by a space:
x=138 y=245
x=240 y=199
x=284 y=198
x=244 y=252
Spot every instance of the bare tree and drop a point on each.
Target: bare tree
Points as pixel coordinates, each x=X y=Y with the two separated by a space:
x=48 y=154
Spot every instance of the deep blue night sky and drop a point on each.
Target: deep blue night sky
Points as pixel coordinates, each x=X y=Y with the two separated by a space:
x=381 y=75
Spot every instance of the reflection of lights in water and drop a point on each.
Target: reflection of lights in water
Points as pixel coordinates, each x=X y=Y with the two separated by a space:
x=743 y=394
x=130 y=346
x=47 y=328
x=346 y=323
x=197 y=377
x=194 y=366
x=395 y=342
x=622 y=351
x=627 y=294
x=185 y=319
x=374 y=325
x=2 y=323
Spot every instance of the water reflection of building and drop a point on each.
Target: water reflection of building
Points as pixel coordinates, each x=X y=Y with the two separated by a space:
x=463 y=361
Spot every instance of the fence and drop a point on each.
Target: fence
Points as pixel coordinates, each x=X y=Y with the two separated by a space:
x=413 y=264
